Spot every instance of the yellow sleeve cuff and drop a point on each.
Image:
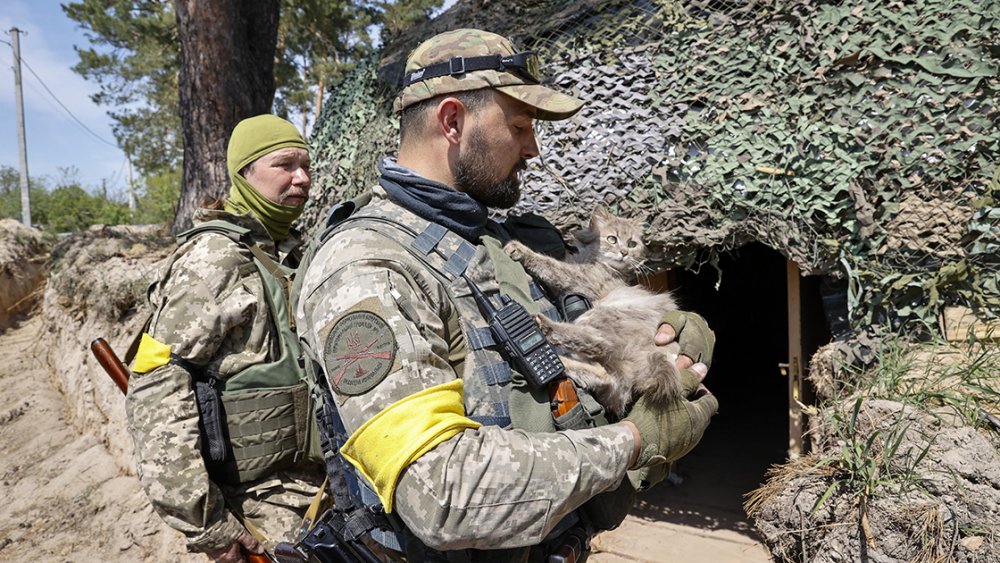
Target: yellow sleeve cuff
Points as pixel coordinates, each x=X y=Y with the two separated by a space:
x=151 y=354
x=402 y=432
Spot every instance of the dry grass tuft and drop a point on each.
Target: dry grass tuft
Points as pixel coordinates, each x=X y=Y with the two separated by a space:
x=779 y=478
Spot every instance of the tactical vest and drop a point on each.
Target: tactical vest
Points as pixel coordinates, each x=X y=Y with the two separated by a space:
x=494 y=393
x=267 y=413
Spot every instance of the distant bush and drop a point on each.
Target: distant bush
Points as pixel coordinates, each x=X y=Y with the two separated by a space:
x=65 y=206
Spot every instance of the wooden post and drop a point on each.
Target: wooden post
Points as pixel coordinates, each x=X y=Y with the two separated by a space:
x=794 y=369
x=21 y=143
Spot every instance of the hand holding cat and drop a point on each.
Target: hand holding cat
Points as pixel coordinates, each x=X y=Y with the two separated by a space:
x=691 y=332
x=669 y=430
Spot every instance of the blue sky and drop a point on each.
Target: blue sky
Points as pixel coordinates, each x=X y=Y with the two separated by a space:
x=54 y=140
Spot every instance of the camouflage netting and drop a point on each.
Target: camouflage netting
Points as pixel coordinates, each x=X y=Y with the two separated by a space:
x=856 y=139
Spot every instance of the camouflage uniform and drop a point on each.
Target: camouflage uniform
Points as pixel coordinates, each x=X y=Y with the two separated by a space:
x=485 y=488
x=209 y=308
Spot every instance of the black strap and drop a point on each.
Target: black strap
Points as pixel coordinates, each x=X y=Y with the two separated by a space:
x=428 y=240
x=517 y=64
x=460 y=65
x=495 y=374
x=490 y=420
x=479 y=338
x=196 y=371
x=133 y=348
x=458 y=262
x=536 y=291
x=363 y=520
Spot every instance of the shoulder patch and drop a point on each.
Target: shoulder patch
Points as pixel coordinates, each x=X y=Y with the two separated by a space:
x=359 y=352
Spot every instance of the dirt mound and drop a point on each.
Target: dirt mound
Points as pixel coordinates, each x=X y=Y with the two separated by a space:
x=888 y=482
x=23 y=255
x=65 y=498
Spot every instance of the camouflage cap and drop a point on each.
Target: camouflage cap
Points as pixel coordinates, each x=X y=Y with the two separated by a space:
x=467 y=43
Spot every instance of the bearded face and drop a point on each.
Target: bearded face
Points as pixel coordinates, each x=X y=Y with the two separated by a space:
x=480 y=174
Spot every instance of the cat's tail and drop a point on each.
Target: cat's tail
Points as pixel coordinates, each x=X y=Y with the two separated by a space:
x=664 y=380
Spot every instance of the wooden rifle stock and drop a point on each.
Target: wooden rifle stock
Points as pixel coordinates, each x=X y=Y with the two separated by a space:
x=562 y=396
x=110 y=362
x=118 y=373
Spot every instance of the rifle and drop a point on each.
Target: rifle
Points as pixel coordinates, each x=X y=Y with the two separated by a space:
x=573 y=547
x=110 y=362
x=326 y=542
x=119 y=374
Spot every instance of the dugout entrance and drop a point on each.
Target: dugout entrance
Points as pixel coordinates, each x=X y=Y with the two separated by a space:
x=768 y=322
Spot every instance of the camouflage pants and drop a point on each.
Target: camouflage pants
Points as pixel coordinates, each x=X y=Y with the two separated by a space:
x=276 y=506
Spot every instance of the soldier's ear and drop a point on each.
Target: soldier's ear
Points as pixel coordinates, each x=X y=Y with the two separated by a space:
x=449 y=119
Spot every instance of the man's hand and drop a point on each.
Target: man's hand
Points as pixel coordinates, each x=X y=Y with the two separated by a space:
x=691 y=332
x=234 y=553
x=667 y=431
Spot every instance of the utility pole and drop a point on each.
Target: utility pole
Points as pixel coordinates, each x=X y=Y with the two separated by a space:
x=131 y=186
x=22 y=144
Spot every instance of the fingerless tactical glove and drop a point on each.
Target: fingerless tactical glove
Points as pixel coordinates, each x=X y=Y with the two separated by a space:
x=696 y=340
x=669 y=430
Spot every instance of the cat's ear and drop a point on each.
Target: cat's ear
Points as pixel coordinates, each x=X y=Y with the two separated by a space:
x=599 y=216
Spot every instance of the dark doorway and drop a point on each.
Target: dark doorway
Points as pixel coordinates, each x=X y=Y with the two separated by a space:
x=745 y=301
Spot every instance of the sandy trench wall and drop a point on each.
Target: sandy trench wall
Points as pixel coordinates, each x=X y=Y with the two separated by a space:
x=97 y=289
x=23 y=265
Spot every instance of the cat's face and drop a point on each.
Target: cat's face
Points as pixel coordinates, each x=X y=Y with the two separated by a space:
x=620 y=241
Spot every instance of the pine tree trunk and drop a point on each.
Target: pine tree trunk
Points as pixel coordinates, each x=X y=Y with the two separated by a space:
x=226 y=74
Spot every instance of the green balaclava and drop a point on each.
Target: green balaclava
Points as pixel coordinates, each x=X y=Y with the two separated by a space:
x=252 y=138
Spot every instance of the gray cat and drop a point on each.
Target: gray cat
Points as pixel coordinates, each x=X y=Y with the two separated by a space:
x=617 y=333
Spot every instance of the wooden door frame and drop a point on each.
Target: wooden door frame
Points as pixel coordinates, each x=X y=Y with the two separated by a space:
x=793 y=369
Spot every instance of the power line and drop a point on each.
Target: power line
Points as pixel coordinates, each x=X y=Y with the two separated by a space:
x=62 y=105
x=96 y=136
x=37 y=91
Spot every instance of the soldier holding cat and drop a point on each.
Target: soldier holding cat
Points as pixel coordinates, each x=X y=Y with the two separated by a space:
x=444 y=434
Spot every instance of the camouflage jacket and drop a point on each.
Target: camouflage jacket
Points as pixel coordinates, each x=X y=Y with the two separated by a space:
x=485 y=488
x=210 y=308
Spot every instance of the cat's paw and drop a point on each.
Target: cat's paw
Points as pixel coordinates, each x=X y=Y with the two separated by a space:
x=545 y=324
x=516 y=250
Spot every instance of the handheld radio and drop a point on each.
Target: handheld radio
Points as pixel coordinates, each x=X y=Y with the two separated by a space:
x=523 y=342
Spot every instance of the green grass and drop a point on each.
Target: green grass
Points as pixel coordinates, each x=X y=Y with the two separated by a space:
x=933 y=375
x=869 y=460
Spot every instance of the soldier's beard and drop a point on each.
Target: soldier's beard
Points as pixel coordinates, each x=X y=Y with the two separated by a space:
x=472 y=175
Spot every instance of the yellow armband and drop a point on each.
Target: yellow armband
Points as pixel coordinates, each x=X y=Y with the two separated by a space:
x=151 y=354
x=402 y=432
